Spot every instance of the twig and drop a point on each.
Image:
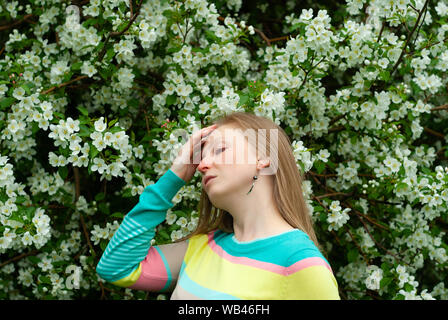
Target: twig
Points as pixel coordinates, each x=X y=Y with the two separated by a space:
x=442 y=107
x=434 y=133
x=423 y=21
x=77 y=194
x=261 y=33
x=147 y=123
x=357 y=245
x=63 y=84
x=83 y=224
x=21 y=256
x=427 y=46
x=378 y=244
x=408 y=40
x=333 y=194
x=15 y=23
x=371 y=220
x=381 y=31
x=119 y=33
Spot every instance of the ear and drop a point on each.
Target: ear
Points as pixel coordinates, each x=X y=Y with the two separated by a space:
x=262 y=163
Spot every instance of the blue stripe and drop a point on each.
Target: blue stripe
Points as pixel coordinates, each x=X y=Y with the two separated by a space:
x=167 y=267
x=205 y=293
x=294 y=242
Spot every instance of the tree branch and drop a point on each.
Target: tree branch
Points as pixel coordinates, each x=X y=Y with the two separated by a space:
x=408 y=39
x=434 y=133
x=63 y=84
x=119 y=33
x=15 y=23
x=442 y=107
x=21 y=256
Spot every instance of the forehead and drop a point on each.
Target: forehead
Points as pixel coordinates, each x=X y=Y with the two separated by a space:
x=222 y=134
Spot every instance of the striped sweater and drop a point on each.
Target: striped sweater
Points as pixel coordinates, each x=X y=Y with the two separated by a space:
x=214 y=265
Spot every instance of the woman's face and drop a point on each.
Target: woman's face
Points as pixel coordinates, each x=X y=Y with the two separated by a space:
x=227 y=155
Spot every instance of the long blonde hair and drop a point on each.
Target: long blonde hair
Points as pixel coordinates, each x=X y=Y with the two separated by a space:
x=287 y=183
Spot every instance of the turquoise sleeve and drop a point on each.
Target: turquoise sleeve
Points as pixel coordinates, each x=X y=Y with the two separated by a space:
x=131 y=242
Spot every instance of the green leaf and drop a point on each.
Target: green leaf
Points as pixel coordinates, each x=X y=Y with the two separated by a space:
x=323 y=216
x=127 y=193
x=93 y=151
x=44 y=279
x=171 y=99
x=408 y=287
x=385 y=75
x=109 y=54
x=111 y=123
x=34 y=260
x=164 y=234
x=319 y=165
x=211 y=36
x=117 y=215
x=76 y=66
x=89 y=22
x=104 y=208
x=83 y=110
x=173 y=49
x=84 y=131
x=122 y=26
x=115 y=129
x=103 y=244
x=63 y=172
x=401 y=185
x=6 y=102
x=243 y=99
x=385 y=281
x=352 y=255
x=100 y=196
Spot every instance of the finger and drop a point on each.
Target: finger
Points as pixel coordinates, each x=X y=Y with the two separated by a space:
x=202 y=134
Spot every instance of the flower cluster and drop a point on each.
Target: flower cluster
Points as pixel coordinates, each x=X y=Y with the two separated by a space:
x=85 y=99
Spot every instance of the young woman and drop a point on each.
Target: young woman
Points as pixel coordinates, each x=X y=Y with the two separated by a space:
x=254 y=238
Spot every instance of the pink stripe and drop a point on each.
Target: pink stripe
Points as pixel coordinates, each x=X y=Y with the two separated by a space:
x=154 y=275
x=308 y=262
x=268 y=266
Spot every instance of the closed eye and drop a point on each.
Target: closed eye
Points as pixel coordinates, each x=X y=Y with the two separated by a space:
x=221 y=149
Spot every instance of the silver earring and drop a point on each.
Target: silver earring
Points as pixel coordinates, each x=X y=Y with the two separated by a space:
x=255 y=179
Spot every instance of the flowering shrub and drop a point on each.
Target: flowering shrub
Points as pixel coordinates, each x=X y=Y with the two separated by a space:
x=92 y=91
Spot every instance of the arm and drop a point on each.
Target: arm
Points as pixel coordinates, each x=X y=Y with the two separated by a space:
x=309 y=277
x=129 y=259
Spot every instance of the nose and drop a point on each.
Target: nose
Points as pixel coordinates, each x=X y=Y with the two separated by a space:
x=204 y=165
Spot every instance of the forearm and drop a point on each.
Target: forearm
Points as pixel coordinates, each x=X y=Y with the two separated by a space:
x=131 y=242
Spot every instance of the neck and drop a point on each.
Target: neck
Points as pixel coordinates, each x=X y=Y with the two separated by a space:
x=256 y=215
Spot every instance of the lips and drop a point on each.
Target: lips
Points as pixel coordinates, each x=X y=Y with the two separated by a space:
x=207 y=179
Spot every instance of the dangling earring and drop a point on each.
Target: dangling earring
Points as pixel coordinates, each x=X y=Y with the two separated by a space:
x=255 y=179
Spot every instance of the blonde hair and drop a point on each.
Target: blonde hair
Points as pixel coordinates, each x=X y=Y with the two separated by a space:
x=288 y=178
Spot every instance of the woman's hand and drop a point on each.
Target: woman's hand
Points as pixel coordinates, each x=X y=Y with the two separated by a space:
x=183 y=165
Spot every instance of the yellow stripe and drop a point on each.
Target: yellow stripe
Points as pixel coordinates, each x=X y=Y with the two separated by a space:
x=312 y=283
x=209 y=270
x=130 y=279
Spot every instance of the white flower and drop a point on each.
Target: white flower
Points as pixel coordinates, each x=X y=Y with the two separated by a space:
x=27 y=239
x=372 y=282
x=99 y=165
x=88 y=69
x=100 y=126
x=19 y=93
x=170 y=218
x=182 y=221
x=323 y=155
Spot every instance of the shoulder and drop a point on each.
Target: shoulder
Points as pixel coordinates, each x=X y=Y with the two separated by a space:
x=304 y=253
x=205 y=237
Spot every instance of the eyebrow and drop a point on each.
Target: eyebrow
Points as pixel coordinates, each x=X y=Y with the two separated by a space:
x=206 y=143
